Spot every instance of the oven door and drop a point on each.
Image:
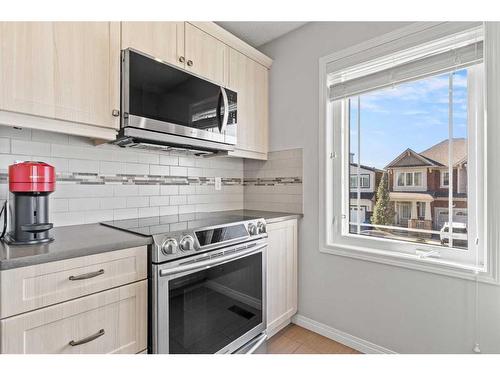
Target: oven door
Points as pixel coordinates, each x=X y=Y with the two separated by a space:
x=160 y=97
x=212 y=304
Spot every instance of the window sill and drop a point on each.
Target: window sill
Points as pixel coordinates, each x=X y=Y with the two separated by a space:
x=432 y=265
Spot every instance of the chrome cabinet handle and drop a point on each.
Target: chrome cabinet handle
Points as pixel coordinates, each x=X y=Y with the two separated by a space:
x=182 y=59
x=87 y=275
x=115 y=112
x=87 y=339
x=190 y=63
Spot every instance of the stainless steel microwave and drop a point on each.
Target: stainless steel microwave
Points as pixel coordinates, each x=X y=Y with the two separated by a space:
x=165 y=107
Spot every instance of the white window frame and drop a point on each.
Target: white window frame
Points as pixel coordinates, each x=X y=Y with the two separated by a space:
x=441 y=174
x=363 y=176
x=330 y=155
x=405 y=179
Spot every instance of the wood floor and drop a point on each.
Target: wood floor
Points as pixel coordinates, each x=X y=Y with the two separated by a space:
x=297 y=340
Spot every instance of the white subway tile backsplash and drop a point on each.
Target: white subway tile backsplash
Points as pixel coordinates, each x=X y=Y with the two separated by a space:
x=125 y=190
x=149 y=190
x=159 y=170
x=137 y=201
x=112 y=202
x=178 y=200
x=169 y=210
x=137 y=168
x=97 y=216
x=83 y=166
x=185 y=189
x=171 y=189
x=273 y=190
x=61 y=219
x=83 y=204
x=187 y=162
x=149 y=211
x=159 y=200
x=58 y=205
x=178 y=226
x=100 y=183
x=169 y=160
x=148 y=158
x=15 y=132
x=111 y=168
x=125 y=213
x=23 y=147
x=178 y=171
x=5 y=145
x=43 y=136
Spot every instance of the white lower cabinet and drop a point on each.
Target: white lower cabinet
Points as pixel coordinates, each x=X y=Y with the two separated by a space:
x=281 y=274
x=113 y=321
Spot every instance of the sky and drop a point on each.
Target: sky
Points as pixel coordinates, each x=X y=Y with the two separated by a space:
x=411 y=115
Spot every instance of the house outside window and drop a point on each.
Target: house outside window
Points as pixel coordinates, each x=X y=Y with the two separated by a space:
x=363 y=179
x=445 y=178
x=411 y=121
x=409 y=178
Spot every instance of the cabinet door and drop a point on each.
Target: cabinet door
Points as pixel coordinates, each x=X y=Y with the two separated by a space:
x=63 y=70
x=250 y=80
x=163 y=40
x=281 y=274
x=205 y=55
x=113 y=321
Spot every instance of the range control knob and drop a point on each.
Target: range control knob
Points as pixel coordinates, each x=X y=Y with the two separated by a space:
x=187 y=243
x=252 y=229
x=261 y=227
x=169 y=246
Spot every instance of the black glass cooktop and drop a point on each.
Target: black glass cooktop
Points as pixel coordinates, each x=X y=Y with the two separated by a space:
x=174 y=223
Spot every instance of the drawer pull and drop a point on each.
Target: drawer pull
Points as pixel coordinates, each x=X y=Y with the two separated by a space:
x=87 y=339
x=87 y=275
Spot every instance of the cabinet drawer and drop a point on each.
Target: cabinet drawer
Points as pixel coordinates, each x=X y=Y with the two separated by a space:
x=114 y=321
x=28 y=288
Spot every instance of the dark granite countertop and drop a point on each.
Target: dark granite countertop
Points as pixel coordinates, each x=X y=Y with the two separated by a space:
x=69 y=242
x=81 y=240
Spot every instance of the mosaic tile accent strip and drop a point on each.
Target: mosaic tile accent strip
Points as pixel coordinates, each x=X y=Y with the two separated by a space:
x=128 y=179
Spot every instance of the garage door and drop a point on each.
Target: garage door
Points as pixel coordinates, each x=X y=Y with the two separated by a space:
x=459 y=215
x=355 y=212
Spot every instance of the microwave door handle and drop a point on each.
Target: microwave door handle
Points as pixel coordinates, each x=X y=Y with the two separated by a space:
x=219 y=117
x=226 y=110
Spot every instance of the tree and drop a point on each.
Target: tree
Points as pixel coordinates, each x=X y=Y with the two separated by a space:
x=383 y=213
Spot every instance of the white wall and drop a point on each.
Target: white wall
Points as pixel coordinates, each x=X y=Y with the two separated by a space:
x=404 y=310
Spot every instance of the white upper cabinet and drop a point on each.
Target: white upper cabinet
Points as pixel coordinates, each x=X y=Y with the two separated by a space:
x=70 y=71
x=250 y=80
x=163 y=40
x=62 y=70
x=206 y=55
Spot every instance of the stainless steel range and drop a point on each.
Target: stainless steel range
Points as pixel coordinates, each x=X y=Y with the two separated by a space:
x=207 y=282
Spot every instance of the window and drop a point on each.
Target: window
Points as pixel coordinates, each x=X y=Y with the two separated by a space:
x=409 y=178
x=410 y=115
x=421 y=210
x=364 y=180
x=445 y=178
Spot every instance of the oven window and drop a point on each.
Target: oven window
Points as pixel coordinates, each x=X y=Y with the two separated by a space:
x=211 y=308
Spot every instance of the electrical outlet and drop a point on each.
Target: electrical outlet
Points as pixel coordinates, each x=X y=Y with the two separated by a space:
x=218 y=183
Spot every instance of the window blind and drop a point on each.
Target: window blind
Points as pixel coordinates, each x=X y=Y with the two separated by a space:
x=454 y=52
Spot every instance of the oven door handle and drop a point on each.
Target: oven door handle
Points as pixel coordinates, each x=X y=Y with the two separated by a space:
x=211 y=262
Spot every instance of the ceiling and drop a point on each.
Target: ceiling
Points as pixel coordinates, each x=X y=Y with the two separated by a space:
x=259 y=33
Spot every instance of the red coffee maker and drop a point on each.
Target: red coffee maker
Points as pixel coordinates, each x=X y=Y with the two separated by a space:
x=30 y=183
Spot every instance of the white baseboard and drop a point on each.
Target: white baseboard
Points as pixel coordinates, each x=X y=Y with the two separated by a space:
x=351 y=341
